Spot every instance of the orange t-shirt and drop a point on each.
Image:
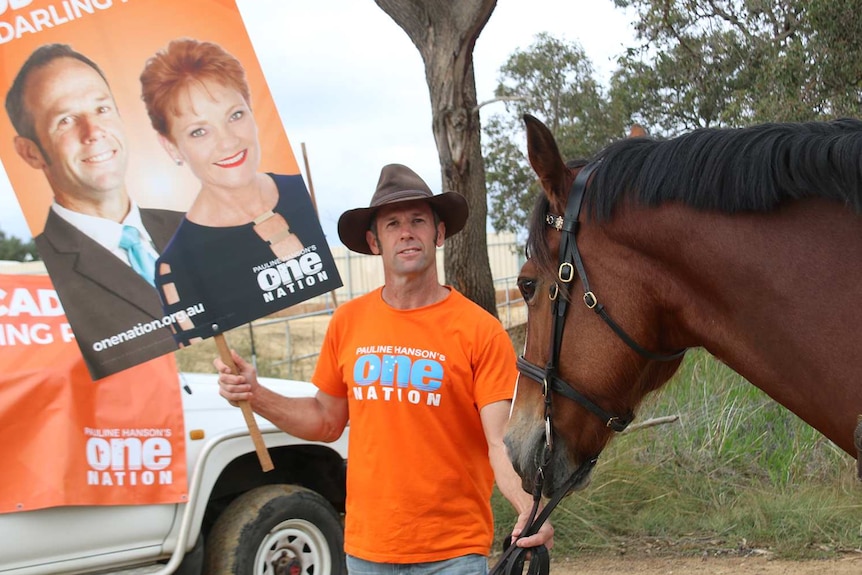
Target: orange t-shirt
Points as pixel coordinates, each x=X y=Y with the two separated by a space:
x=419 y=481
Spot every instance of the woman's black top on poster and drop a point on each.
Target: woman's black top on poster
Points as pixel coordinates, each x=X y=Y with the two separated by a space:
x=228 y=276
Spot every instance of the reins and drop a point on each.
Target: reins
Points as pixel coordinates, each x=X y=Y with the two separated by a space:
x=511 y=562
x=570 y=262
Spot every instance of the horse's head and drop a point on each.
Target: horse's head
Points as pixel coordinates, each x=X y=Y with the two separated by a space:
x=581 y=380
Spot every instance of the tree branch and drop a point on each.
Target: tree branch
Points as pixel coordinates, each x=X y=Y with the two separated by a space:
x=651 y=423
x=500 y=99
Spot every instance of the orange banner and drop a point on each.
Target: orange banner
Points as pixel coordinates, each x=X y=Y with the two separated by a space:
x=68 y=440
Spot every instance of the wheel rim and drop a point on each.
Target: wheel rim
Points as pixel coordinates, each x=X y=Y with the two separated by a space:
x=299 y=544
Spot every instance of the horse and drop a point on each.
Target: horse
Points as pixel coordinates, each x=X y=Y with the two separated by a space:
x=745 y=242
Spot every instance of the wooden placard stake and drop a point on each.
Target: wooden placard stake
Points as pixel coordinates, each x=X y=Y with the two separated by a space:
x=247 y=413
x=314 y=203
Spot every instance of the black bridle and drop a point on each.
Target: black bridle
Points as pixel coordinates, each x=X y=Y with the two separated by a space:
x=570 y=261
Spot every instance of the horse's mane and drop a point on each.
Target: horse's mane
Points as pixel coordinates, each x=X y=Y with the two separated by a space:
x=729 y=170
x=733 y=170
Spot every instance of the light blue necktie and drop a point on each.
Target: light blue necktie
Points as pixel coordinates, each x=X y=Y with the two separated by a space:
x=141 y=260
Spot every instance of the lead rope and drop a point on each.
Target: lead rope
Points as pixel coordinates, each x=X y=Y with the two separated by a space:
x=512 y=560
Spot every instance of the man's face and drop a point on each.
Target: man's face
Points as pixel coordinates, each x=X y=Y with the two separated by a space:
x=407 y=237
x=83 y=145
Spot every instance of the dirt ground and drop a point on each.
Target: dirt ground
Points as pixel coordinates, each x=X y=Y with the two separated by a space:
x=754 y=565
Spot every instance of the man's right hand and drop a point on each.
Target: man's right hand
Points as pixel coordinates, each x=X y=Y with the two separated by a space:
x=236 y=387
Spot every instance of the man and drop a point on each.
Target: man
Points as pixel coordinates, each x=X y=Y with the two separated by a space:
x=426 y=378
x=98 y=246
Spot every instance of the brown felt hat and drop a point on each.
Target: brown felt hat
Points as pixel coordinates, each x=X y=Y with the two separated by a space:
x=400 y=184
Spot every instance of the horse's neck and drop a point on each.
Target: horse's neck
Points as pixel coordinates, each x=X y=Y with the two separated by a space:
x=775 y=296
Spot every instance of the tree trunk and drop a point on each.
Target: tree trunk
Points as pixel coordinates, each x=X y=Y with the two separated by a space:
x=445 y=32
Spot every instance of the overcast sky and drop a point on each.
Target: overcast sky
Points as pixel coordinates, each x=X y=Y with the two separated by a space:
x=361 y=100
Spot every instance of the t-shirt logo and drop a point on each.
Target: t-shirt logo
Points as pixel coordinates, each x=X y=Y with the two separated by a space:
x=400 y=373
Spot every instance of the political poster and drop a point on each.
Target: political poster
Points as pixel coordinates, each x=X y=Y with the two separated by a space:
x=150 y=163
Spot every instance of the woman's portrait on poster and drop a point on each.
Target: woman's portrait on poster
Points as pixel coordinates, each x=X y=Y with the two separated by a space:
x=250 y=244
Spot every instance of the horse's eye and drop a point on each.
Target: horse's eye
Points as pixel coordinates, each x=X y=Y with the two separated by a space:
x=527 y=287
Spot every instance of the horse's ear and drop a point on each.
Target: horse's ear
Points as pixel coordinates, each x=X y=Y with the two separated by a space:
x=638 y=131
x=544 y=156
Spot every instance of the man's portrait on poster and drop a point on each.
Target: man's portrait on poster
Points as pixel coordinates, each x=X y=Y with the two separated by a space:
x=98 y=245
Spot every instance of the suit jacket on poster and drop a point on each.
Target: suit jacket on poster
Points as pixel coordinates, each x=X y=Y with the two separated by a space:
x=104 y=297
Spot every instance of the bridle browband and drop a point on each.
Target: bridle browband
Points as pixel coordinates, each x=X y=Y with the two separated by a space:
x=569 y=262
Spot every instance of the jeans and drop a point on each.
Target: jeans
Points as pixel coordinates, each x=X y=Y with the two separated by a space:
x=465 y=565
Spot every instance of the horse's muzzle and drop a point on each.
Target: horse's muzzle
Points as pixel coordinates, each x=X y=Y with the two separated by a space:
x=528 y=454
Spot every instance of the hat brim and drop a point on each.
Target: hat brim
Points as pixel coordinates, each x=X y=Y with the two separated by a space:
x=451 y=207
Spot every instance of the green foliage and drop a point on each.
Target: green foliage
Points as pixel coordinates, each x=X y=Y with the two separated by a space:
x=698 y=63
x=13 y=249
x=553 y=81
x=732 y=63
x=736 y=472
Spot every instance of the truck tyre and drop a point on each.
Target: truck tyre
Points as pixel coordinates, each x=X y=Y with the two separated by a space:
x=277 y=530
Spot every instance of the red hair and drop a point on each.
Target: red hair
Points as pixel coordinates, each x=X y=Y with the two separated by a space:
x=182 y=62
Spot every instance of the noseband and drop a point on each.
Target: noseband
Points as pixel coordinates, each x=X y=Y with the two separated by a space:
x=512 y=560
